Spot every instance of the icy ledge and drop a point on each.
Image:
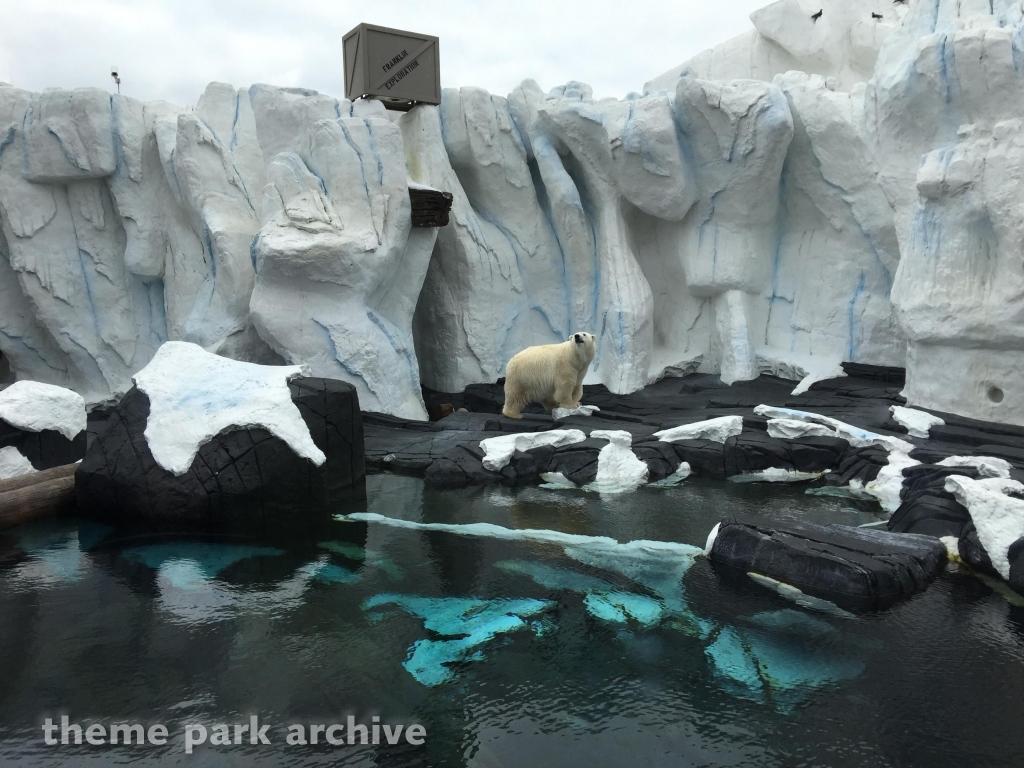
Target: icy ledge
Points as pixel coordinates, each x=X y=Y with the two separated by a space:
x=194 y=395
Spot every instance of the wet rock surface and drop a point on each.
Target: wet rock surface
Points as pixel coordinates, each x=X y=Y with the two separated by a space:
x=854 y=568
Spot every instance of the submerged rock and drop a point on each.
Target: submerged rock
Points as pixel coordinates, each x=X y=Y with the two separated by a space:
x=854 y=568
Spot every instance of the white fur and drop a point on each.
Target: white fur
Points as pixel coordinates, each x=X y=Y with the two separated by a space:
x=550 y=374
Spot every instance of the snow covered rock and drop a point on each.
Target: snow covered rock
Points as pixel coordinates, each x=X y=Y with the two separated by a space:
x=717 y=430
x=856 y=436
x=498 y=450
x=917 y=422
x=791 y=429
x=43 y=424
x=998 y=518
x=855 y=568
x=34 y=407
x=211 y=441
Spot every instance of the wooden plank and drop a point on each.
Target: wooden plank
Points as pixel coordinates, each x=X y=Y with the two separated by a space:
x=37 y=495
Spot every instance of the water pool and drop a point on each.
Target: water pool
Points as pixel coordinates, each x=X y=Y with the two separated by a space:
x=509 y=652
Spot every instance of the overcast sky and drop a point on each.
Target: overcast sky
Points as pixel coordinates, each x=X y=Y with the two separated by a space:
x=170 y=49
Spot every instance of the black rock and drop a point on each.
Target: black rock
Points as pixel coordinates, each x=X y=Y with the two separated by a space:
x=461 y=466
x=578 y=462
x=973 y=553
x=861 y=464
x=855 y=568
x=927 y=507
x=242 y=478
x=45 y=449
x=1016 y=557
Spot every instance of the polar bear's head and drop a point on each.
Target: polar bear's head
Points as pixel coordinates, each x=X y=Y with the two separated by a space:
x=583 y=347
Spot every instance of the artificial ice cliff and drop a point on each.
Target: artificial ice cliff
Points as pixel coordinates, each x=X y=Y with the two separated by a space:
x=839 y=188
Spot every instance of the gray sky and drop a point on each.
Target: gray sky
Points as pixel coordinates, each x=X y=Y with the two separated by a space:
x=170 y=49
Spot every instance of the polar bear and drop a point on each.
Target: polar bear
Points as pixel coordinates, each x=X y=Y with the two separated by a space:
x=550 y=374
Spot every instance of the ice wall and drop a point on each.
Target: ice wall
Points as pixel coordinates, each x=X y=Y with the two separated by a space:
x=841 y=43
x=739 y=218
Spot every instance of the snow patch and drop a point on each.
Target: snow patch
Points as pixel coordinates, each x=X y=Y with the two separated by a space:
x=998 y=518
x=917 y=422
x=834 y=371
x=13 y=463
x=887 y=485
x=581 y=410
x=194 y=395
x=717 y=430
x=498 y=450
x=33 y=406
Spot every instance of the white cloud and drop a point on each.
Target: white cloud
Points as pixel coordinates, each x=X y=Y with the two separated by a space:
x=170 y=49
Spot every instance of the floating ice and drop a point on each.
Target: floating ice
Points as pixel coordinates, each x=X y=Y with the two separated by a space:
x=917 y=422
x=556 y=481
x=13 y=463
x=782 y=658
x=682 y=472
x=998 y=518
x=194 y=395
x=798 y=596
x=33 y=406
x=498 y=450
x=775 y=475
x=540 y=535
x=603 y=600
x=468 y=622
x=717 y=430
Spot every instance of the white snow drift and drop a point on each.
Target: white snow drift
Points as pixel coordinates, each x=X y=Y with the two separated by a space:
x=194 y=395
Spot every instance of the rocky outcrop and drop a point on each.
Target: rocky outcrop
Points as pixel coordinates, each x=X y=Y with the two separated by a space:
x=205 y=441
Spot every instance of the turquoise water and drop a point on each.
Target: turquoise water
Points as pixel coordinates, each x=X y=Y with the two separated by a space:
x=508 y=648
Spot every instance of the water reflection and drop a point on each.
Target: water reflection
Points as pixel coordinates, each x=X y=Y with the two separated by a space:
x=549 y=651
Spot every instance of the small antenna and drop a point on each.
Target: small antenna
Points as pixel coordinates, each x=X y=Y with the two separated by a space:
x=117 y=78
